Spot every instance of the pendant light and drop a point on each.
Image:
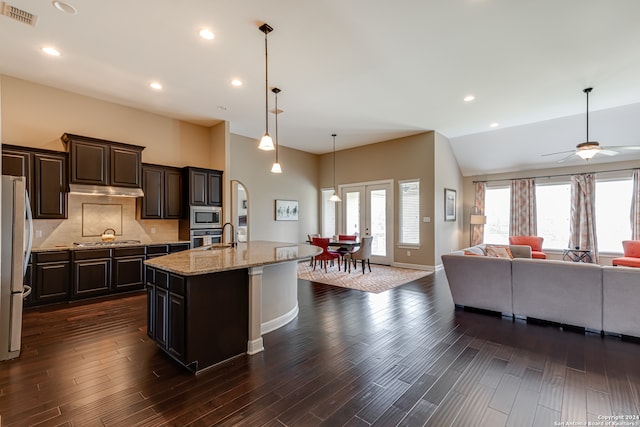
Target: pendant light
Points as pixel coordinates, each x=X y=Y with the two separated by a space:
x=335 y=197
x=266 y=143
x=276 y=166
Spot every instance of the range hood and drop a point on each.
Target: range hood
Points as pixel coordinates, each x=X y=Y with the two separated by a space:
x=102 y=190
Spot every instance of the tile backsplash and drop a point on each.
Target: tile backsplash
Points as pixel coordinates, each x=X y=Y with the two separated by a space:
x=89 y=216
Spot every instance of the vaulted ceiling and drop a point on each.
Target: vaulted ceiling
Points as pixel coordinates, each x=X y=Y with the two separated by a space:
x=369 y=71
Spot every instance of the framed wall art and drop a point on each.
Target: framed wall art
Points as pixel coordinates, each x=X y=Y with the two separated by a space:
x=449 y=204
x=286 y=210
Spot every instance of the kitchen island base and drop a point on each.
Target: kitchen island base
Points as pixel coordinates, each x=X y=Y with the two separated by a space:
x=199 y=321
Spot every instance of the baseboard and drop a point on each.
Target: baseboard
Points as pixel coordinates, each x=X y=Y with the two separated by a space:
x=279 y=322
x=255 y=346
x=414 y=266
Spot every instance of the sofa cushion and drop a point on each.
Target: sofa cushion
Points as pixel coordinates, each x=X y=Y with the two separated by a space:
x=534 y=241
x=479 y=281
x=621 y=293
x=558 y=291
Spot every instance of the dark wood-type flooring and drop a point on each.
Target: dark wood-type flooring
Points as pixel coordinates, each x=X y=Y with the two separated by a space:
x=402 y=357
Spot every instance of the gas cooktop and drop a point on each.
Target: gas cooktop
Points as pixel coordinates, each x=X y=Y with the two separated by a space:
x=114 y=243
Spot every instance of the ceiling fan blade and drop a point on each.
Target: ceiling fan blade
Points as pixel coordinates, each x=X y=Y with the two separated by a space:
x=559 y=152
x=564 y=159
x=608 y=152
x=623 y=147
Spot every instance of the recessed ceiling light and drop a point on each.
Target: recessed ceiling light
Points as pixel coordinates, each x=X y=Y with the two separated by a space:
x=236 y=82
x=155 y=85
x=64 y=7
x=206 y=34
x=494 y=125
x=469 y=98
x=51 y=51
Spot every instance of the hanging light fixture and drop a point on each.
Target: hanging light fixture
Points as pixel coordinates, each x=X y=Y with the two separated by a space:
x=266 y=143
x=276 y=166
x=335 y=197
x=588 y=149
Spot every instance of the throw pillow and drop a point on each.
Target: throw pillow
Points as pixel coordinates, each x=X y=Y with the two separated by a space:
x=471 y=253
x=499 y=251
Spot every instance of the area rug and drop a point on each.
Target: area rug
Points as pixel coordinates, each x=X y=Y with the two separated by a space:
x=380 y=279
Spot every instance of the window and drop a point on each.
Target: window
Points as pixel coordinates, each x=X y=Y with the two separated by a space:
x=328 y=213
x=554 y=210
x=613 y=204
x=497 y=201
x=409 y=212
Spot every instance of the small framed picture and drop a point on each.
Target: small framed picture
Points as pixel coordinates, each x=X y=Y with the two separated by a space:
x=286 y=210
x=244 y=204
x=449 y=204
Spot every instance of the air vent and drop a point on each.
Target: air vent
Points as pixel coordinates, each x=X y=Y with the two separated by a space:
x=19 y=14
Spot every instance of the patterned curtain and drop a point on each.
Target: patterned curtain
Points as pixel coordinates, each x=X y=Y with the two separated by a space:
x=523 y=220
x=635 y=206
x=583 y=213
x=477 y=231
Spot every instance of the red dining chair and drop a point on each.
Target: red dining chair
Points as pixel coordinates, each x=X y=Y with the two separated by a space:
x=326 y=255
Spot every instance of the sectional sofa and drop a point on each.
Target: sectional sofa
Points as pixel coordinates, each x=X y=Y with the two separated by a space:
x=597 y=298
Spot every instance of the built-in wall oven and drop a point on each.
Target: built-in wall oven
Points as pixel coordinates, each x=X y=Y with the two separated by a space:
x=205 y=236
x=205 y=217
x=202 y=227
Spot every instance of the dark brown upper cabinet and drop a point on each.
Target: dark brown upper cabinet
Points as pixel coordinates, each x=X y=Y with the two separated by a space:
x=17 y=162
x=162 y=187
x=101 y=162
x=204 y=186
x=46 y=176
x=50 y=182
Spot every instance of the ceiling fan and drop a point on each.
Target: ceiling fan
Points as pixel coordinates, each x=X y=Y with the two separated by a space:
x=587 y=150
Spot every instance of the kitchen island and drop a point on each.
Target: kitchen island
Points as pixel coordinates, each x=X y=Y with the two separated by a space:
x=212 y=303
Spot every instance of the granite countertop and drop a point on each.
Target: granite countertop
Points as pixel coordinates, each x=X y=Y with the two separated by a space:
x=217 y=257
x=72 y=247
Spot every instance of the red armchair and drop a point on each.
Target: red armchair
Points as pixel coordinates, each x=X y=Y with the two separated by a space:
x=631 y=256
x=534 y=241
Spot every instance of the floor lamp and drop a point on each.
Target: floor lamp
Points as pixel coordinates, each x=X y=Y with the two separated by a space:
x=476 y=219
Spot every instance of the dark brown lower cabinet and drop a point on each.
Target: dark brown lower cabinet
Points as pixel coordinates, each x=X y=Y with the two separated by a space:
x=199 y=320
x=50 y=277
x=128 y=268
x=91 y=272
x=61 y=276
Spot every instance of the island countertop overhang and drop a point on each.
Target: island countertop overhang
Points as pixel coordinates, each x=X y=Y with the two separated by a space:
x=219 y=258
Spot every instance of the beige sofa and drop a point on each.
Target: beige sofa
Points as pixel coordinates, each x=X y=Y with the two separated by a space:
x=591 y=296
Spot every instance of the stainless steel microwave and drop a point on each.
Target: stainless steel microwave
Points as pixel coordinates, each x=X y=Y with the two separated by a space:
x=205 y=217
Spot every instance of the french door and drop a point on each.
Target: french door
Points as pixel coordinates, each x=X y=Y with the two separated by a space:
x=367 y=209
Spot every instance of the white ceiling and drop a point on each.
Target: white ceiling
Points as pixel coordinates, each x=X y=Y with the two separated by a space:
x=369 y=71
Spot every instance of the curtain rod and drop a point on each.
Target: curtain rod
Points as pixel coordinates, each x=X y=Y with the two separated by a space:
x=554 y=176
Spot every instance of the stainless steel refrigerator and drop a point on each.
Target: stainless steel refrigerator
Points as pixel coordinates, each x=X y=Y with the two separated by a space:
x=15 y=252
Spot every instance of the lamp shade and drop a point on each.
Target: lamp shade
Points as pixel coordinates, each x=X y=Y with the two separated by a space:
x=478 y=219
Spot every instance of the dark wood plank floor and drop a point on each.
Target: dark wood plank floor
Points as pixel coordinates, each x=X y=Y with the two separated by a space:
x=403 y=357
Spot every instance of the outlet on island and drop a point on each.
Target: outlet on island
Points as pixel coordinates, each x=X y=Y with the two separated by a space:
x=408 y=253
x=153 y=230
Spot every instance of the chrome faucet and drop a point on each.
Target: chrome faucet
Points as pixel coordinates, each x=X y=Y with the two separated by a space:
x=233 y=242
